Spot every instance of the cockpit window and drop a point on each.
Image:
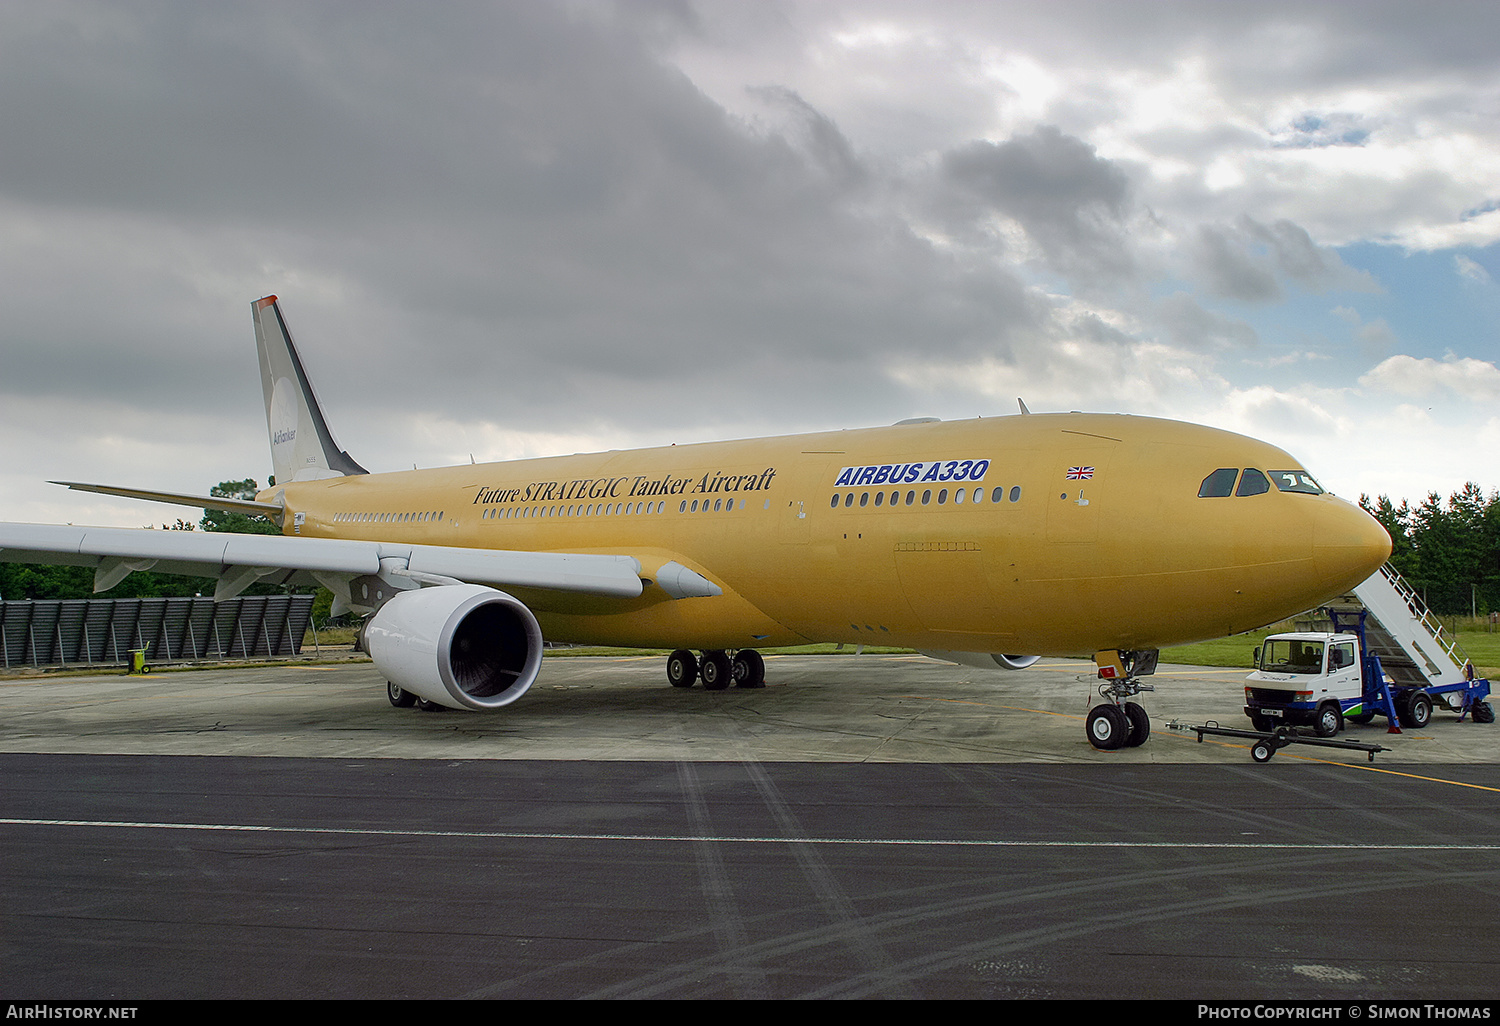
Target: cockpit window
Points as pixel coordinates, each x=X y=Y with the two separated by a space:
x=1219 y=484
x=1252 y=482
x=1296 y=481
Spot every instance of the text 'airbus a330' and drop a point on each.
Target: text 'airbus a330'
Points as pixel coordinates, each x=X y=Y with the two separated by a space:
x=988 y=542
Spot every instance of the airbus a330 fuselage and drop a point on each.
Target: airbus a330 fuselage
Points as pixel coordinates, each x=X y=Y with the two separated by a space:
x=1050 y=534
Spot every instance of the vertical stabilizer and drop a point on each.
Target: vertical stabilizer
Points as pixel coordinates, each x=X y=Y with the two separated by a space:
x=302 y=444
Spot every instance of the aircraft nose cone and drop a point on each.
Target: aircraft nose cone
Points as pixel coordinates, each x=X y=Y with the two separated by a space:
x=1349 y=545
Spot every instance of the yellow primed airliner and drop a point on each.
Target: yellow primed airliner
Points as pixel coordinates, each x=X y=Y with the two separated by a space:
x=989 y=542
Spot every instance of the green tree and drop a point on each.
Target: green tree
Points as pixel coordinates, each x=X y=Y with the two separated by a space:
x=41 y=581
x=236 y=523
x=1397 y=523
x=1449 y=551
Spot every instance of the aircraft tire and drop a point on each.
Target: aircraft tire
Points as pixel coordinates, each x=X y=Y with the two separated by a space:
x=428 y=706
x=1483 y=712
x=716 y=670
x=1140 y=725
x=1107 y=727
x=749 y=669
x=682 y=669
x=399 y=696
x=1329 y=722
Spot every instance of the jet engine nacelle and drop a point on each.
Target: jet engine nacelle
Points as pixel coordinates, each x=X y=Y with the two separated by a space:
x=983 y=660
x=460 y=645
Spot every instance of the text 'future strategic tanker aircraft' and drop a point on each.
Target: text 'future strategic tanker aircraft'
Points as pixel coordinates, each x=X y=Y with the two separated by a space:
x=987 y=542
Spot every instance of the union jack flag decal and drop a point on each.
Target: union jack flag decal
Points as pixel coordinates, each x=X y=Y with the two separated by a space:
x=1080 y=473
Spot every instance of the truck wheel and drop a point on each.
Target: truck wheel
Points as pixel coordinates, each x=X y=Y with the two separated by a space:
x=1264 y=724
x=1483 y=712
x=1361 y=717
x=1329 y=722
x=1418 y=711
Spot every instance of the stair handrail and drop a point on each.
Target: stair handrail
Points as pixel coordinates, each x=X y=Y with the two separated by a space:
x=1424 y=616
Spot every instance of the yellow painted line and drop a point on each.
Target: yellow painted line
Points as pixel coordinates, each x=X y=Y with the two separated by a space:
x=1394 y=773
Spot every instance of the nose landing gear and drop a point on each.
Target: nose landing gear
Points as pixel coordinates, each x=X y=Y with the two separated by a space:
x=1117 y=722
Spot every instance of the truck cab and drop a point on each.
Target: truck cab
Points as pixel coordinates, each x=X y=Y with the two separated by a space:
x=1306 y=679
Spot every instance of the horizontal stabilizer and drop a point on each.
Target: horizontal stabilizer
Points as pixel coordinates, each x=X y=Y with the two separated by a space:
x=250 y=506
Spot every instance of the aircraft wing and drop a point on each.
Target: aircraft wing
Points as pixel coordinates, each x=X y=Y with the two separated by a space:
x=239 y=560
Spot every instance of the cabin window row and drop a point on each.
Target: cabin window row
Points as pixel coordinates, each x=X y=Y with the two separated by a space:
x=593 y=509
x=1221 y=483
x=926 y=497
x=427 y=516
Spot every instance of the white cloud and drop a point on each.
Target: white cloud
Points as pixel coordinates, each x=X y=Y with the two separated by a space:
x=1466 y=377
x=1469 y=269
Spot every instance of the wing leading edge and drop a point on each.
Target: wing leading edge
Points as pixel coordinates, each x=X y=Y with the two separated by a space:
x=239 y=560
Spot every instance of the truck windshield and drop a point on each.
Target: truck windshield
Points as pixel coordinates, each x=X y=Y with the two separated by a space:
x=1286 y=655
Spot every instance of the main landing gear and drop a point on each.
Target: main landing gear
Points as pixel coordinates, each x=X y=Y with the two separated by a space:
x=1119 y=722
x=403 y=699
x=717 y=669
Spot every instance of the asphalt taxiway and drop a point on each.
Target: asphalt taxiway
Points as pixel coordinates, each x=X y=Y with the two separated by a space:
x=863 y=826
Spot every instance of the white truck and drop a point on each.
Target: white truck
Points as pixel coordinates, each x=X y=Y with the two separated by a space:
x=1319 y=680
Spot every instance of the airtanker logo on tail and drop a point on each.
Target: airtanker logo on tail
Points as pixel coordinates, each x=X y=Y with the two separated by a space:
x=285 y=414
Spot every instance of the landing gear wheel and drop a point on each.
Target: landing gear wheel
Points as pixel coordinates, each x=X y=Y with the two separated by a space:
x=749 y=669
x=428 y=706
x=1262 y=751
x=1483 y=712
x=1417 y=712
x=399 y=696
x=1107 y=727
x=716 y=670
x=682 y=669
x=1140 y=725
x=1330 y=720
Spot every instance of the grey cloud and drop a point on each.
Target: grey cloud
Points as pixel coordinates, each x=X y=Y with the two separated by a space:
x=1188 y=324
x=533 y=210
x=1068 y=198
x=1227 y=269
x=1248 y=261
x=817 y=135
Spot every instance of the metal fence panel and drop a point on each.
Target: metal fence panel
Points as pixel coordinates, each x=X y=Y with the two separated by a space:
x=65 y=632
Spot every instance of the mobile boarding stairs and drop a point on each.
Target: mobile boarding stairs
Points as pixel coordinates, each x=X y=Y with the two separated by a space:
x=1410 y=665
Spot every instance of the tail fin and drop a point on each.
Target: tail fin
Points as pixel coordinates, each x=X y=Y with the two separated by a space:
x=302 y=444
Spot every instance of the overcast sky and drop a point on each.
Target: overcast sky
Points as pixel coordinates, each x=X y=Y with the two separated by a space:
x=527 y=228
